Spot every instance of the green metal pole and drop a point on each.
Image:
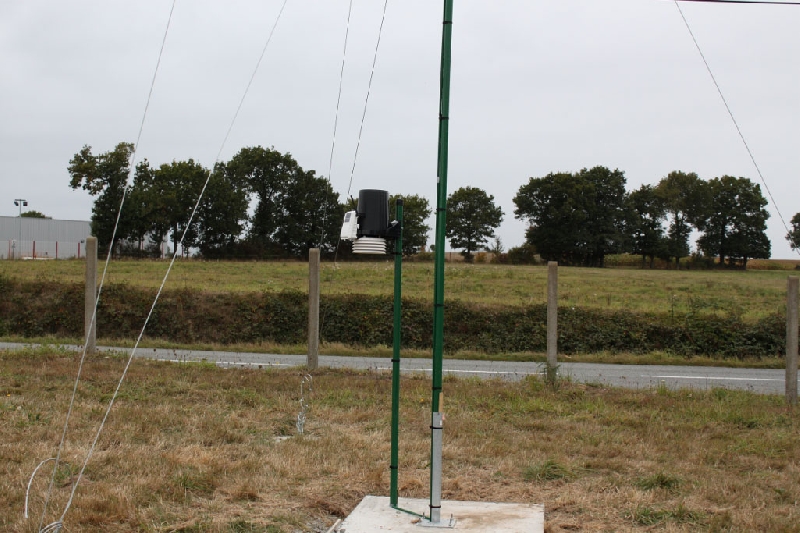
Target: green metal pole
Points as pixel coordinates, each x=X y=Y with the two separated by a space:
x=398 y=270
x=438 y=277
x=441 y=206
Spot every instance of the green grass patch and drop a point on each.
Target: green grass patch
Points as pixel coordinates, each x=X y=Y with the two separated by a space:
x=658 y=481
x=645 y=515
x=549 y=470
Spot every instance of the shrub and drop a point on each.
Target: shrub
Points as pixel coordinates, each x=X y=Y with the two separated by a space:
x=523 y=255
x=500 y=259
x=40 y=308
x=421 y=257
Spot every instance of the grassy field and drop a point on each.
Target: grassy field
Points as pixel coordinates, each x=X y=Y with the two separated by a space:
x=193 y=448
x=752 y=294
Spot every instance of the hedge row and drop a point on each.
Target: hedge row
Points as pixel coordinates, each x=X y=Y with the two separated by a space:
x=48 y=308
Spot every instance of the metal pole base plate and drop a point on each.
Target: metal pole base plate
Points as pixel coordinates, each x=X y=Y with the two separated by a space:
x=442 y=524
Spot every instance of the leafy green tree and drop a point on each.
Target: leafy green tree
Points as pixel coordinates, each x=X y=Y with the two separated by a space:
x=222 y=214
x=734 y=220
x=472 y=218
x=683 y=196
x=311 y=215
x=34 y=214
x=266 y=174
x=794 y=234
x=416 y=210
x=144 y=207
x=557 y=226
x=295 y=209
x=104 y=176
x=605 y=204
x=178 y=185
x=162 y=199
x=575 y=218
x=646 y=226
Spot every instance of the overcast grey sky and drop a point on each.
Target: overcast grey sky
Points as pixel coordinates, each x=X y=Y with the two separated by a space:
x=538 y=86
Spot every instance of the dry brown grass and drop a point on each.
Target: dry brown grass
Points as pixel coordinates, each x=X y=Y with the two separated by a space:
x=192 y=448
x=773 y=264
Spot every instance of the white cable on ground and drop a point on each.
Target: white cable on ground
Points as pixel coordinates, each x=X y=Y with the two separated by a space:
x=30 y=482
x=733 y=119
x=56 y=526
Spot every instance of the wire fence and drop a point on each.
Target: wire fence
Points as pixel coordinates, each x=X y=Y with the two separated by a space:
x=15 y=249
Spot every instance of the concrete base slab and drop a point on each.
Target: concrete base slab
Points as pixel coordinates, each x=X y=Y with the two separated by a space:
x=374 y=514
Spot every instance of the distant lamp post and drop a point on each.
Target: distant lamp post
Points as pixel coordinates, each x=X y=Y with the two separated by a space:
x=20 y=202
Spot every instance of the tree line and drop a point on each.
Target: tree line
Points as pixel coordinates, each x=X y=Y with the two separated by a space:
x=579 y=218
x=262 y=203
x=294 y=209
x=259 y=204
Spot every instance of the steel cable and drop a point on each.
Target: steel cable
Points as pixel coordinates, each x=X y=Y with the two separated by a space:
x=56 y=526
x=131 y=168
x=730 y=113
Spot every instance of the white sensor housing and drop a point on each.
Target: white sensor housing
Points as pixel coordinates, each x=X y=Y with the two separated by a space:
x=350 y=227
x=369 y=245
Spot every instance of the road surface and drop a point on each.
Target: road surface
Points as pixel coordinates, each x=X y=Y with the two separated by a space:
x=762 y=381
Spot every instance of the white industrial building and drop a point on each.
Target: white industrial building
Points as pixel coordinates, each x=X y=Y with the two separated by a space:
x=42 y=238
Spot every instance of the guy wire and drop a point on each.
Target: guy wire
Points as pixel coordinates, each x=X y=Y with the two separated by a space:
x=360 y=133
x=250 y=82
x=733 y=119
x=366 y=101
x=57 y=525
x=131 y=168
x=339 y=97
x=336 y=123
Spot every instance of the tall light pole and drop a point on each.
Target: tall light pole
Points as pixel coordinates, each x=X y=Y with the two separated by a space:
x=20 y=202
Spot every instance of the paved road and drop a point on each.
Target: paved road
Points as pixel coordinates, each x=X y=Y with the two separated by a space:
x=630 y=376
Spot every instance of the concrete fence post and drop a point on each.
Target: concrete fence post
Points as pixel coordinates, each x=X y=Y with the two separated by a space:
x=90 y=328
x=552 y=320
x=791 y=341
x=313 y=309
